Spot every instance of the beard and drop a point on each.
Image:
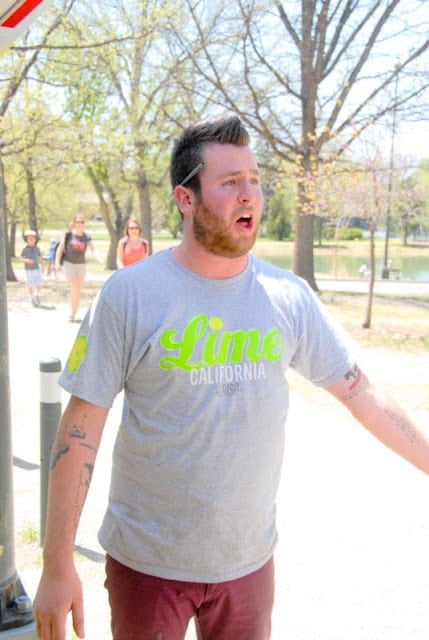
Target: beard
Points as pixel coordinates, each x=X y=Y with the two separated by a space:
x=214 y=234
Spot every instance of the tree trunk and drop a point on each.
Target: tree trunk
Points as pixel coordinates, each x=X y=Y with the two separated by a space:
x=143 y=193
x=10 y=276
x=367 y=322
x=104 y=210
x=405 y=237
x=307 y=164
x=303 y=259
x=12 y=236
x=303 y=264
x=31 y=193
x=145 y=208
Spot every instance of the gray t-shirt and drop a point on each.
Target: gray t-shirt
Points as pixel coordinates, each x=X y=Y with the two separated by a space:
x=202 y=363
x=34 y=254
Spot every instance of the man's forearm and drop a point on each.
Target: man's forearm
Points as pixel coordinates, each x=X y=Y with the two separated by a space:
x=384 y=418
x=72 y=465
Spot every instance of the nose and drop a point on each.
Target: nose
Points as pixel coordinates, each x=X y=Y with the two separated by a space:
x=247 y=192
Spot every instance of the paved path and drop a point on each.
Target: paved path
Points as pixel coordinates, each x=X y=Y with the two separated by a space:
x=382 y=287
x=353 y=559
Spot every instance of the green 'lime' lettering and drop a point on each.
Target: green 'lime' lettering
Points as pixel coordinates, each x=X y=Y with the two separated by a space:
x=217 y=347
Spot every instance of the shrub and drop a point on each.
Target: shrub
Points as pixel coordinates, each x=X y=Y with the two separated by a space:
x=350 y=233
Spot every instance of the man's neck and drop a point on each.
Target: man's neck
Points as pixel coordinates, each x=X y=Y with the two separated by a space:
x=206 y=264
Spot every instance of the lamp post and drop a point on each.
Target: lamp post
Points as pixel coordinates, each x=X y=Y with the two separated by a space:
x=16 y=612
x=385 y=274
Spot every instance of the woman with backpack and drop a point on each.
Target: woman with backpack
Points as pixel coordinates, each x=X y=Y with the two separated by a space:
x=70 y=256
x=132 y=247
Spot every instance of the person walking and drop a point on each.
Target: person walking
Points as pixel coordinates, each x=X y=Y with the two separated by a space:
x=32 y=258
x=132 y=247
x=199 y=339
x=50 y=258
x=71 y=256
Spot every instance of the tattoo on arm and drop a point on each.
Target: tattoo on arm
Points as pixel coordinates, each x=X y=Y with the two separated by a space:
x=72 y=432
x=62 y=447
x=60 y=450
x=403 y=424
x=84 y=484
x=354 y=380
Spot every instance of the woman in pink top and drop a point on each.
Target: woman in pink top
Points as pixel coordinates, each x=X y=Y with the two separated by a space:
x=132 y=247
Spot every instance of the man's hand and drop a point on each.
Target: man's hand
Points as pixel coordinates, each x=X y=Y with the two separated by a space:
x=59 y=592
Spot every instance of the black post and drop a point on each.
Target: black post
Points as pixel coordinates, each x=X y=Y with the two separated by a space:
x=50 y=414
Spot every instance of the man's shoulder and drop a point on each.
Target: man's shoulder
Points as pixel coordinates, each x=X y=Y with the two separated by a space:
x=268 y=268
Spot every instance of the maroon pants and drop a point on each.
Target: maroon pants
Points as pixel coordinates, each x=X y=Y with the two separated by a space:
x=145 y=607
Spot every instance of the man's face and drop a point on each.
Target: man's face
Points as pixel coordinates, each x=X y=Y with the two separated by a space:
x=226 y=217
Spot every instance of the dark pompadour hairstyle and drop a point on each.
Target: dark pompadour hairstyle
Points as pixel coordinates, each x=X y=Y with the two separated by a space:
x=187 y=150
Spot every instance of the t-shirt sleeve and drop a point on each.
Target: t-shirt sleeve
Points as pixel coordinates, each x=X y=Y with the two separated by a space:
x=96 y=366
x=324 y=352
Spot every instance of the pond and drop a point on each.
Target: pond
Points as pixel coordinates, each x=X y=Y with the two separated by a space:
x=406 y=267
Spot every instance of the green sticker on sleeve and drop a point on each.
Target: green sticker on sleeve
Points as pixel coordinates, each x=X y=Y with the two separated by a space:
x=77 y=354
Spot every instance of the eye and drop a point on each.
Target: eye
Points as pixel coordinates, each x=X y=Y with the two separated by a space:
x=229 y=182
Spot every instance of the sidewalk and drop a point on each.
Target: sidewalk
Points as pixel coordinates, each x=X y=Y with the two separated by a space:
x=352 y=561
x=396 y=288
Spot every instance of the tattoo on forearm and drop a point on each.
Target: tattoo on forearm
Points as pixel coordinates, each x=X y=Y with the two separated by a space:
x=87 y=446
x=72 y=432
x=354 y=379
x=404 y=425
x=84 y=484
x=76 y=432
x=62 y=447
x=60 y=450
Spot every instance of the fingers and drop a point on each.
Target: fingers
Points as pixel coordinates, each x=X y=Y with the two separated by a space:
x=78 y=620
x=47 y=629
x=55 y=598
x=53 y=627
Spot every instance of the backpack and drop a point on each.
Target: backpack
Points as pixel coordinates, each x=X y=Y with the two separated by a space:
x=66 y=239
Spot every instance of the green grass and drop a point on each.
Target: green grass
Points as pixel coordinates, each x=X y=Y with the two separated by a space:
x=30 y=534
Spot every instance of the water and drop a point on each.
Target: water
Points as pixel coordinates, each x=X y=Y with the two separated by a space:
x=406 y=268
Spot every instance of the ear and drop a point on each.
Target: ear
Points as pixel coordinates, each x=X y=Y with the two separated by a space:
x=184 y=199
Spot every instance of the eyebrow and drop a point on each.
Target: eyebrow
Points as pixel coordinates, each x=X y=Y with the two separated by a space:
x=239 y=172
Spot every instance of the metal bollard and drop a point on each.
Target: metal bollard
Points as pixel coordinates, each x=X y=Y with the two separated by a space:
x=23 y=633
x=50 y=414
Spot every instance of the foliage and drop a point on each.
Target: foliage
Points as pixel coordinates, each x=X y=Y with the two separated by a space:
x=349 y=233
x=106 y=100
x=279 y=215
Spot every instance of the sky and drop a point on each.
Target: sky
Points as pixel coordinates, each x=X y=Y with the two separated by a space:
x=412 y=139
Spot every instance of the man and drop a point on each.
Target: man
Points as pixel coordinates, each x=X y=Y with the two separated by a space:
x=199 y=338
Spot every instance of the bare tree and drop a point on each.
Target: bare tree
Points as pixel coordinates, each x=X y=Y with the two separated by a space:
x=309 y=77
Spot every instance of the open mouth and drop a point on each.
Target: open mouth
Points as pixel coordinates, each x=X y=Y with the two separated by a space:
x=245 y=221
